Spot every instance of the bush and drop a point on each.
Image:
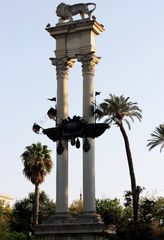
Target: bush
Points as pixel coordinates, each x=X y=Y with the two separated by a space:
x=13 y=236
x=139 y=231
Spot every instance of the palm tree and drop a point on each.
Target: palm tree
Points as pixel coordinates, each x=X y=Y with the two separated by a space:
x=116 y=109
x=157 y=138
x=37 y=164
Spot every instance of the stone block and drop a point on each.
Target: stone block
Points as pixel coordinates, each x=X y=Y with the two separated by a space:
x=75 y=38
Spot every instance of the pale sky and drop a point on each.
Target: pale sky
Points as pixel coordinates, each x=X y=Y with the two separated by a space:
x=132 y=64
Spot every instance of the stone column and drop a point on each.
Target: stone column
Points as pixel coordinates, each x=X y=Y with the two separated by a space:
x=88 y=68
x=62 y=68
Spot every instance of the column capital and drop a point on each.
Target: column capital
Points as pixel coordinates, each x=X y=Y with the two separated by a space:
x=88 y=62
x=62 y=66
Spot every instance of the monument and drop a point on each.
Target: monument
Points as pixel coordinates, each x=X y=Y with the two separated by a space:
x=75 y=41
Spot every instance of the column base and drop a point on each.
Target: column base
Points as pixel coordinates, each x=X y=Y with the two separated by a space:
x=90 y=217
x=59 y=218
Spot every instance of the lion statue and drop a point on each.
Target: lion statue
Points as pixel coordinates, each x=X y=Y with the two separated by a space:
x=66 y=12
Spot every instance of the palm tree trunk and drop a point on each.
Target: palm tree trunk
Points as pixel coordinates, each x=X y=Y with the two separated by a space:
x=135 y=193
x=36 y=204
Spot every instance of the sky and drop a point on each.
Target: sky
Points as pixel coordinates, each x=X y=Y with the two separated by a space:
x=132 y=63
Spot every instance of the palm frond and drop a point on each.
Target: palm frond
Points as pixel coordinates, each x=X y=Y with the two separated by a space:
x=37 y=162
x=157 y=138
x=127 y=122
x=120 y=108
x=162 y=146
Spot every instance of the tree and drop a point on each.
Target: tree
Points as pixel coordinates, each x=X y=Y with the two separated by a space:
x=147 y=210
x=110 y=210
x=116 y=109
x=22 y=214
x=157 y=138
x=13 y=236
x=37 y=164
x=76 y=207
x=5 y=224
x=5 y=216
x=159 y=211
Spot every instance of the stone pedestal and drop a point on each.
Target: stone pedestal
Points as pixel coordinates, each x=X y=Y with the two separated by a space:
x=80 y=228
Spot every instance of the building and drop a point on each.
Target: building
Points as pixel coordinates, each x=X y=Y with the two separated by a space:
x=8 y=200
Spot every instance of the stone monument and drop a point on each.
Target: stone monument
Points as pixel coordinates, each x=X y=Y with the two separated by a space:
x=75 y=40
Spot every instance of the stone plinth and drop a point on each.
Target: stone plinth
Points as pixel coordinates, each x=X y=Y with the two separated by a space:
x=70 y=228
x=75 y=38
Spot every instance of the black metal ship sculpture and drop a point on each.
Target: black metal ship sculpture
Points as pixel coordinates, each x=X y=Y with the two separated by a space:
x=71 y=129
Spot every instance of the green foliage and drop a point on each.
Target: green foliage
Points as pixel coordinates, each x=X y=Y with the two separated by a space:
x=37 y=162
x=22 y=215
x=47 y=207
x=5 y=224
x=159 y=210
x=76 y=207
x=110 y=210
x=16 y=224
x=118 y=108
x=140 y=231
x=157 y=138
x=5 y=216
x=147 y=210
x=150 y=226
x=23 y=212
x=152 y=210
x=128 y=199
x=13 y=236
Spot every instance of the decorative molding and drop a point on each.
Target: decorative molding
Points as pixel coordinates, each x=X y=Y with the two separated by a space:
x=88 y=63
x=62 y=66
